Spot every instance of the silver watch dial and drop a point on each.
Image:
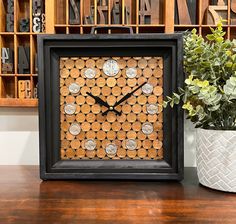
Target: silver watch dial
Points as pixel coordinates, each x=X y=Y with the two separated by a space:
x=70 y=109
x=147 y=128
x=75 y=129
x=111 y=150
x=90 y=144
x=111 y=67
x=131 y=73
x=74 y=88
x=147 y=88
x=90 y=73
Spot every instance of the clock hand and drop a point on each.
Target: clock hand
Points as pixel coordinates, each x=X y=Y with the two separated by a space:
x=103 y=103
x=127 y=96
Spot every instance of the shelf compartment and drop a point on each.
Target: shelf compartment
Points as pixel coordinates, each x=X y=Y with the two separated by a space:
x=8 y=88
x=22 y=12
x=8 y=102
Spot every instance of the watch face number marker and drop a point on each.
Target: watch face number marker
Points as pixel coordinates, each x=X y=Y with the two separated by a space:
x=90 y=73
x=74 y=88
x=70 y=109
x=111 y=68
x=75 y=129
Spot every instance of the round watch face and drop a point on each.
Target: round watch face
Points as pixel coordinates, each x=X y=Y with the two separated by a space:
x=111 y=150
x=70 y=109
x=75 y=129
x=74 y=88
x=90 y=144
x=111 y=68
x=147 y=128
x=90 y=73
x=131 y=73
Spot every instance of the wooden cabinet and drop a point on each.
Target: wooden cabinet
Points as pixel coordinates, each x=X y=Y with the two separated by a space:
x=79 y=16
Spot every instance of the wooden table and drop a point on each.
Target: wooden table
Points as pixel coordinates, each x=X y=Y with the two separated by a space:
x=24 y=198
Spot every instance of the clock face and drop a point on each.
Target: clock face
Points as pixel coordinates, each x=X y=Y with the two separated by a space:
x=100 y=119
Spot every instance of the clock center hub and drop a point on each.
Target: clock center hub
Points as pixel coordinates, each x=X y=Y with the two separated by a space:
x=111 y=108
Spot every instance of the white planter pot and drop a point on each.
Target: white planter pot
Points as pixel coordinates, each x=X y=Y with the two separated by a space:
x=216 y=159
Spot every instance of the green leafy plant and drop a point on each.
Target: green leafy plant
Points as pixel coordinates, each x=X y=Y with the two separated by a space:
x=209 y=93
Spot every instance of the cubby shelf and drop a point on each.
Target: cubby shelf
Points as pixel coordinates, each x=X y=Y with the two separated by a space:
x=57 y=19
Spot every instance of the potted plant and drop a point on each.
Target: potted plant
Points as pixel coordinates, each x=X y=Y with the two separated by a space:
x=209 y=98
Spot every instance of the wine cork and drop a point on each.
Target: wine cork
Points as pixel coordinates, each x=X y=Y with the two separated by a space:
x=152 y=99
x=74 y=73
x=100 y=63
x=152 y=63
x=147 y=72
x=111 y=100
x=157 y=72
x=106 y=91
x=131 y=135
x=142 y=99
x=85 y=108
x=84 y=90
x=90 y=117
x=131 y=117
x=116 y=91
x=142 y=153
x=142 y=117
x=121 y=118
x=121 y=135
x=121 y=152
x=147 y=144
x=160 y=63
x=111 y=82
x=126 y=108
x=96 y=108
x=90 y=135
x=90 y=63
x=65 y=144
x=121 y=82
x=95 y=126
x=65 y=126
x=157 y=90
x=69 y=136
x=80 y=100
x=125 y=90
x=131 y=153
x=152 y=118
x=79 y=63
x=141 y=135
x=69 y=81
x=81 y=135
x=153 y=136
x=132 y=101
x=160 y=100
x=121 y=63
x=101 y=153
x=157 y=126
x=69 y=64
x=62 y=63
x=64 y=91
x=116 y=126
x=96 y=91
x=132 y=63
x=153 y=81
x=142 y=80
x=90 y=153
x=106 y=126
x=100 y=82
x=157 y=144
x=80 y=81
x=70 y=153
x=70 y=99
x=64 y=73
x=160 y=116
x=136 y=126
x=101 y=135
x=137 y=108
x=80 y=117
x=70 y=118
x=90 y=82
x=62 y=135
x=126 y=126
x=62 y=82
x=90 y=101
x=111 y=117
x=142 y=63
x=63 y=154
x=85 y=126
x=152 y=153
x=62 y=117
x=75 y=144
x=132 y=82
x=80 y=153
x=111 y=135
x=160 y=135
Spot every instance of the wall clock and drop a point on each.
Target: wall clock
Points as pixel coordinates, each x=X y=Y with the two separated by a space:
x=101 y=112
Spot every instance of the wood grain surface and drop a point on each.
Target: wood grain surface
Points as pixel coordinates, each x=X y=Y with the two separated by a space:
x=25 y=199
x=111 y=127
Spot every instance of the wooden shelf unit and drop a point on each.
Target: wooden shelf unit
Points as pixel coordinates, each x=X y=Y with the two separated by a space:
x=57 y=22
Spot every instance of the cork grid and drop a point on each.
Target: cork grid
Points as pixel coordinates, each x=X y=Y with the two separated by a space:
x=111 y=128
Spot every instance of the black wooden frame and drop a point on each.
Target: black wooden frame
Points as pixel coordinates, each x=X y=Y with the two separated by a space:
x=51 y=48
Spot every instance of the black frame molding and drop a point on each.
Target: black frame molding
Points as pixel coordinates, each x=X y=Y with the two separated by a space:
x=51 y=48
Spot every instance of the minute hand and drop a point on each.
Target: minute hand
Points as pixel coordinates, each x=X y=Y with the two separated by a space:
x=127 y=96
